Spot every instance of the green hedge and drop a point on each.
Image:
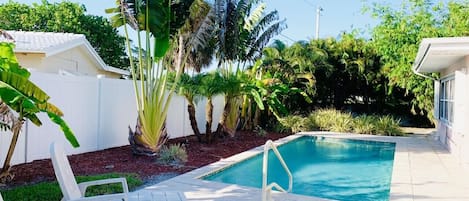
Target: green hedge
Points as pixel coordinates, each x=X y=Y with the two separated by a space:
x=338 y=121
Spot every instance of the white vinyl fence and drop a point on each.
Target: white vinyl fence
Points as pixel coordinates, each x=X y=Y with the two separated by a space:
x=99 y=111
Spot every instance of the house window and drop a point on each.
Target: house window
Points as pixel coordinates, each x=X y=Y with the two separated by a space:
x=447 y=100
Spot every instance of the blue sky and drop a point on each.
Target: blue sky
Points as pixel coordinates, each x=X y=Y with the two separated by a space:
x=337 y=16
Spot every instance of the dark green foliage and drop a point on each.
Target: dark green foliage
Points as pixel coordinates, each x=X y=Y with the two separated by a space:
x=243 y=29
x=70 y=18
x=50 y=191
x=400 y=31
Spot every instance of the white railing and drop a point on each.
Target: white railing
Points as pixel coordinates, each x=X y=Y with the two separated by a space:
x=267 y=189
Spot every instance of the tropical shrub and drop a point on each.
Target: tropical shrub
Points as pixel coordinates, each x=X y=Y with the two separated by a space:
x=295 y=123
x=364 y=124
x=387 y=125
x=331 y=120
x=337 y=121
x=174 y=154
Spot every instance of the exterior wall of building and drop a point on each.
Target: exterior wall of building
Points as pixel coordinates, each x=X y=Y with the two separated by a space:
x=74 y=61
x=455 y=136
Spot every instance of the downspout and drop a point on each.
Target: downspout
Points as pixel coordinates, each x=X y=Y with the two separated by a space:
x=422 y=75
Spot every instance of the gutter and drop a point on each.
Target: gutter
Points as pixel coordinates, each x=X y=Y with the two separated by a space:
x=414 y=70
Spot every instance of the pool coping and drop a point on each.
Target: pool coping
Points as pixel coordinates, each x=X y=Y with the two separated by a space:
x=404 y=186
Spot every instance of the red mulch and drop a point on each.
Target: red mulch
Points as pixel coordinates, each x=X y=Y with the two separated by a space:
x=121 y=159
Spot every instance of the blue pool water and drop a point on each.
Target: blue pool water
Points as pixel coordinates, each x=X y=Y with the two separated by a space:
x=339 y=169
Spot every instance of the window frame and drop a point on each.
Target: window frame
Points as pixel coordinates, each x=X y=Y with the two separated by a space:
x=446 y=99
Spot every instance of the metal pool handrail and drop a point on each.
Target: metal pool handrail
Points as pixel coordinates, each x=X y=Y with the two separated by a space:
x=267 y=189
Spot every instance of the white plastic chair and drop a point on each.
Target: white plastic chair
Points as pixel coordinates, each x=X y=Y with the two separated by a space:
x=76 y=192
x=1 y=199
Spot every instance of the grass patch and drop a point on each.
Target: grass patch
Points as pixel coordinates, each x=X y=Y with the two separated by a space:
x=50 y=191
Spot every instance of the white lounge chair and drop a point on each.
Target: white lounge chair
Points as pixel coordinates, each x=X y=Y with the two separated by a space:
x=76 y=192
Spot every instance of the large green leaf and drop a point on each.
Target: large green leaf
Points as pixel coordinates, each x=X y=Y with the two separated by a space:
x=16 y=100
x=8 y=61
x=64 y=127
x=34 y=119
x=51 y=108
x=24 y=86
x=257 y=98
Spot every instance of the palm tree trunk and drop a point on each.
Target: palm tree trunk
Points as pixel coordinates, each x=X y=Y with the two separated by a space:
x=208 y=119
x=193 y=120
x=5 y=175
x=257 y=115
x=248 y=122
x=221 y=124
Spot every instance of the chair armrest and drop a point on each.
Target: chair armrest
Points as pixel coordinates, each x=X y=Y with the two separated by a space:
x=84 y=185
x=119 y=196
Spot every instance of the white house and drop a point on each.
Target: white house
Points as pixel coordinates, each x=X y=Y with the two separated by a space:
x=61 y=53
x=450 y=58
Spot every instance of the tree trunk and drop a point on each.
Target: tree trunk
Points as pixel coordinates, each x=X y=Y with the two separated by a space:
x=257 y=116
x=248 y=122
x=5 y=175
x=221 y=124
x=140 y=148
x=208 y=119
x=193 y=120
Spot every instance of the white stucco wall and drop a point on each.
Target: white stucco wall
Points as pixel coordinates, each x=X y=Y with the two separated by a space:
x=99 y=112
x=456 y=136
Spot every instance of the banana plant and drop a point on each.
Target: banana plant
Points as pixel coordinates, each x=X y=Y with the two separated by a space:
x=21 y=100
x=158 y=21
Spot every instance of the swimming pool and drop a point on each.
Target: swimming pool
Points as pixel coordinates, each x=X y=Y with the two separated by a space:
x=340 y=169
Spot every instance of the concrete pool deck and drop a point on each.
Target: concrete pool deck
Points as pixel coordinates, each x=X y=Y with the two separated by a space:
x=422 y=170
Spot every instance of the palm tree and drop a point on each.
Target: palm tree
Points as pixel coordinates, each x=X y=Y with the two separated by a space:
x=189 y=87
x=243 y=29
x=237 y=88
x=198 y=37
x=210 y=86
x=19 y=96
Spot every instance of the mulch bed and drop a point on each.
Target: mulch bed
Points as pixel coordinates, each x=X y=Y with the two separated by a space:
x=121 y=159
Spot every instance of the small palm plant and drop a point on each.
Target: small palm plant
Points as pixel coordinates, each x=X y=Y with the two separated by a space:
x=210 y=87
x=189 y=87
x=22 y=100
